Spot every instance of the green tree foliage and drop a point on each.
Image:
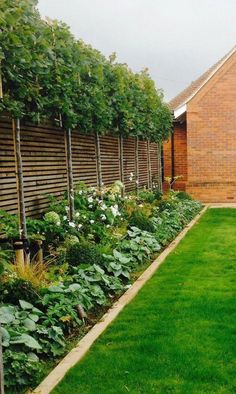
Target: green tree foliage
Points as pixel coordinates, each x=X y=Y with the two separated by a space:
x=46 y=72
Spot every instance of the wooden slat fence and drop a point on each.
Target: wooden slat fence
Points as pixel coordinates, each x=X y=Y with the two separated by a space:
x=44 y=163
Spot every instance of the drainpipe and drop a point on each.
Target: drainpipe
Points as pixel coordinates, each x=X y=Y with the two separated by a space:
x=172 y=156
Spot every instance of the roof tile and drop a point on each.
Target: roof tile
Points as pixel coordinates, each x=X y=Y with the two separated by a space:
x=184 y=96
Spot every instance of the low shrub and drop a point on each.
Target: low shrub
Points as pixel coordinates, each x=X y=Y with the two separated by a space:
x=183 y=196
x=21 y=370
x=15 y=289
x=84 y=252
x=150 y=196
x=168 y=204
x=142 y=221
x=146 y=196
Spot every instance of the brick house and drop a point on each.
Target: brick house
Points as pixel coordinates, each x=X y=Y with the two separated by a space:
x=202 y=147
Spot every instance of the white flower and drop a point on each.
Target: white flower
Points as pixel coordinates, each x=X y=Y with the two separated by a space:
x=90 y=199
x=91 y=221
x=114 y=210
x=103 y=217
x=79 y=225
x=103 y=207
x=140 y=205
x=64 y=217
x=77 y=215
x=137 y=182
x=84 y=216
x=72 y=224
x=81 y=192
x=58 y=223
x=90 y=206
x=131 y=176
x=67 y=209
x=108 y=226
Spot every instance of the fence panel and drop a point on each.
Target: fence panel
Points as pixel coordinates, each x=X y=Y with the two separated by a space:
x=143 y=163
x=109 y=146
x=84 y=158
x=44 y=163
x=8 y=195
x=129 y=163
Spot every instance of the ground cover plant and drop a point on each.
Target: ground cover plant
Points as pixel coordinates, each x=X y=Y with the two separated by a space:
x=87 y=264
x=178 y=334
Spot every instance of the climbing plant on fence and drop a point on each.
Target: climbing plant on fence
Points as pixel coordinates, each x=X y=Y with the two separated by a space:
x=46 y=73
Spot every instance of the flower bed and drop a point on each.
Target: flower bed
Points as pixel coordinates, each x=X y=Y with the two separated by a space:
x=87 y=264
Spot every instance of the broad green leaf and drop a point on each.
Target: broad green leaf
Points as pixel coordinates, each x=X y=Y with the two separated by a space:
x=27 y=340
x=29 y=324
x=25 y=305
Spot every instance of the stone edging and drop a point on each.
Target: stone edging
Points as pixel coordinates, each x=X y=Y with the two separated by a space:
x=76 y=354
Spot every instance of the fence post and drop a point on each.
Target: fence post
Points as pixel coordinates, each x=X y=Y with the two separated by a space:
x=98 y=160
x=70 y=183
x=1 y=87
x=1 y=366
x=159 y=148
x=149 y=165
x=121 y=160
x=19 y=178
x=136 y=165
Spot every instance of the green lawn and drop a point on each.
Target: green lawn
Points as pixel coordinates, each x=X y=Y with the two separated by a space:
x=179 y=334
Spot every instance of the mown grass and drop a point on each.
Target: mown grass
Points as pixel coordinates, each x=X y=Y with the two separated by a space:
x=179 y=334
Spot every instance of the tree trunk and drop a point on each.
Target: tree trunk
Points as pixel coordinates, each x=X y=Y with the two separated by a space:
x=136 y=165
x=99 y=162
x=19 y=179
x=121 y=160
x=149 y=166
x=70 y=183
x=1 y=367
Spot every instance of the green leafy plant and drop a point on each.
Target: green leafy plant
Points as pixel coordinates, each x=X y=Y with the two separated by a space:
x=92 y=260
x=14 y=289
x=140 y=245
x=83 y=252
x=183 y=196
x=142 y=221
x=119 y=264
x=46 y=72
x=21 y=370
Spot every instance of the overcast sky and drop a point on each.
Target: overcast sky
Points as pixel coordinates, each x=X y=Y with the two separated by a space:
x=176 y=39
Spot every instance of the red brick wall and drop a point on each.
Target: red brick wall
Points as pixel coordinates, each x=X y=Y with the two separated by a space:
x=180 y=156
x=211 y=129
x=167 y=161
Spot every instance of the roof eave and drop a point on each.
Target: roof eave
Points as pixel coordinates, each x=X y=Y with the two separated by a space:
x=180 y=111
x=177 y=111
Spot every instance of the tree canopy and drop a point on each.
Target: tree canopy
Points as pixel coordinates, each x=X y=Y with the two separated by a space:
x=45 y=72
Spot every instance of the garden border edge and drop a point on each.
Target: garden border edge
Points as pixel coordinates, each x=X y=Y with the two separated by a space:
x=77 y=353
